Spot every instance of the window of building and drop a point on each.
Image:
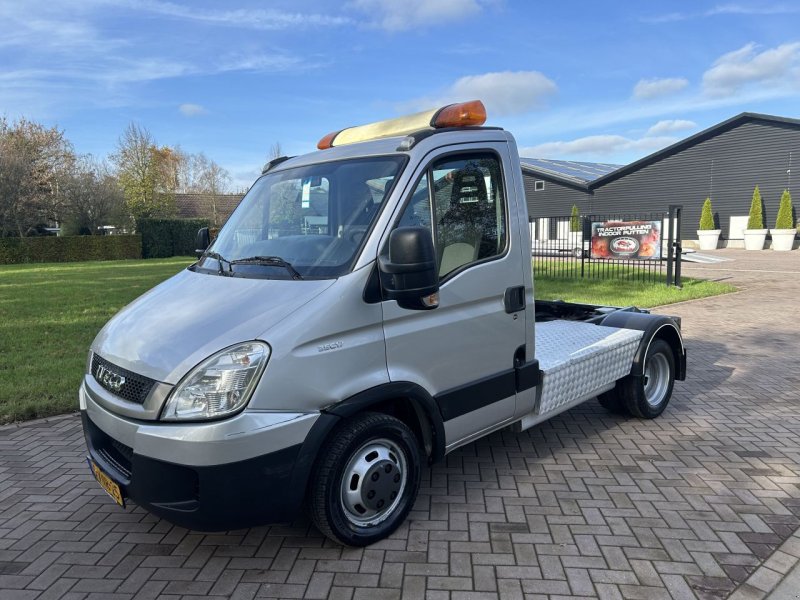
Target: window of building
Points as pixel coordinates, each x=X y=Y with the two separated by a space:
x=538 y=185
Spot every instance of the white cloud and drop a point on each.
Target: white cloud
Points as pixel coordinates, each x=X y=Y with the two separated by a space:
x=503 y=93
x=669 y=126
x=647 y=89
x=399 y=15
x=248 y=18
x=192 y=110
x=596 y=146
x=740 y=9
x=774 y=67
x=722 y=10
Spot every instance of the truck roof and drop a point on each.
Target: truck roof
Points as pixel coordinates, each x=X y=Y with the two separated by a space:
x=427 y=140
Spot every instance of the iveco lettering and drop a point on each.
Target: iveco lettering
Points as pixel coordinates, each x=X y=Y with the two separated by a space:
x=367 y=309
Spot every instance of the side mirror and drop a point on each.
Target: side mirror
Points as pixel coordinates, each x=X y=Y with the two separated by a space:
x=410 y=271
x=202 y=241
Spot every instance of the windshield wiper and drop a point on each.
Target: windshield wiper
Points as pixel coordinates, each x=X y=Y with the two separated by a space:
x=271 y=261
x=219 y=258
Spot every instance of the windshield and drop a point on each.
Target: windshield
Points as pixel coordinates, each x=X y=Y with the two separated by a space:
x=312 y=218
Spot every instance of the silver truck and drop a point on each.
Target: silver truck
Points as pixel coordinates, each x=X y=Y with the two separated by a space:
x=367 y=309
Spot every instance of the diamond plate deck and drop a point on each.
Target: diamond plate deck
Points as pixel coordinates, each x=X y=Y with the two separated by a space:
x=578 y=359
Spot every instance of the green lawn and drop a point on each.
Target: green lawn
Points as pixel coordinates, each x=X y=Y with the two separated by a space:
x=625 y=289
x=50 y=313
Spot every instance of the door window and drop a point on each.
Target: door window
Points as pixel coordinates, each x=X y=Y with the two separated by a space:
x=460 y=198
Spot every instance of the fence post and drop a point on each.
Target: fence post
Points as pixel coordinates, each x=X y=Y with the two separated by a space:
x=670 y=234
x=584 y=222
x=678 y=248
x=674 y=249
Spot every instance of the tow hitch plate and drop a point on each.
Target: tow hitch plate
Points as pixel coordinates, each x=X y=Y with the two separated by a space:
x=108 y=484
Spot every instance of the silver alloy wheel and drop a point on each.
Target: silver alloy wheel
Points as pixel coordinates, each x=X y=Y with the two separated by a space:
x=656 y=379
x=373 y=482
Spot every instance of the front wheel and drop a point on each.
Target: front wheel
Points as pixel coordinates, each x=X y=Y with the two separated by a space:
x=366 y=480
x=647 y=396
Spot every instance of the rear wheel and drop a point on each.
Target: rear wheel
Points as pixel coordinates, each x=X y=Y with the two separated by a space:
x=647 y=396
x=366 y=480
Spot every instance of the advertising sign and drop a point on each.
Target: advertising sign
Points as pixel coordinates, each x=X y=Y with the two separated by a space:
x=626 y=240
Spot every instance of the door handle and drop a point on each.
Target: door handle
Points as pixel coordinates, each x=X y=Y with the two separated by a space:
x=514 y=299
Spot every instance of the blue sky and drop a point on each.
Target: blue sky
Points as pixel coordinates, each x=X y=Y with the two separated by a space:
x=598 y=81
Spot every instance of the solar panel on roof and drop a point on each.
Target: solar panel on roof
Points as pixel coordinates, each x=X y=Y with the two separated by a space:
x=583 y=172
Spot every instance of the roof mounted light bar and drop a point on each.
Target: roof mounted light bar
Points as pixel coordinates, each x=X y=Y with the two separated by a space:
x=463 y=114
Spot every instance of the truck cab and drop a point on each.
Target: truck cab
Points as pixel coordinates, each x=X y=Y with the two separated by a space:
x=367 y=309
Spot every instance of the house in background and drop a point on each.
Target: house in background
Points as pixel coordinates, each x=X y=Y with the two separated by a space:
x=724 y=162
x=214 y=207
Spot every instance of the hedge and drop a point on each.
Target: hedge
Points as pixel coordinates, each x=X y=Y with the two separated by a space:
x=162 y=238
x=71 y=248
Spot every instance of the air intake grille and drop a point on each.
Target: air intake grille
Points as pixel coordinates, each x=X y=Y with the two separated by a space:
x=121 y=382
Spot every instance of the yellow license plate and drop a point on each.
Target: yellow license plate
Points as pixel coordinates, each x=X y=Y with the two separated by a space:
x=108 y=484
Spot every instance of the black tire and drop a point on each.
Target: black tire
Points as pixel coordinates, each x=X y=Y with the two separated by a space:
x=375 y=502
x=645 y=397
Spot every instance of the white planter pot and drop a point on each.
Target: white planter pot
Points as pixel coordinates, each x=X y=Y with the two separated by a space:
x=709 y=238
x=754 y=239
x=576 y=242
x=782 y=239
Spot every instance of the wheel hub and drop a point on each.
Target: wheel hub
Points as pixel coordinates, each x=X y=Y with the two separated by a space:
x=656 y=379
x=383 y=482
x=373 y=482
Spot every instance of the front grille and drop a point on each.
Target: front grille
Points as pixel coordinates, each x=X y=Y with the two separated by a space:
x=121 y=382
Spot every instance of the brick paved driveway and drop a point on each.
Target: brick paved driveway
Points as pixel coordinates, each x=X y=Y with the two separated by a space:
x=586 y=505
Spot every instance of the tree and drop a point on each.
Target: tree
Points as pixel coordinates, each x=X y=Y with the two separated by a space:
x=201 y=175
x=93 y=198
x=756 y=218
x=575 y=219
x=785 y=220
x=707 y=217
x=34 y=163
x=147 y=174
x=275 y=151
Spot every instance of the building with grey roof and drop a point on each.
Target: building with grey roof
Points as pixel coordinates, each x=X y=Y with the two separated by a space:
x=724 y=162
x=214 y=207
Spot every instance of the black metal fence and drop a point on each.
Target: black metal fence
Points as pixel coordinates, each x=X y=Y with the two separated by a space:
x=634 y=247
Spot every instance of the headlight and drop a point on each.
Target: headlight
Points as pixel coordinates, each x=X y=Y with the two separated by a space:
x=220 y=385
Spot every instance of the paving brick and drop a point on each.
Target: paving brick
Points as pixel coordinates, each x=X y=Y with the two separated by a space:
x=588 y=504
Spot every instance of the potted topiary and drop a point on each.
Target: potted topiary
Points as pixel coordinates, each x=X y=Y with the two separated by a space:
x=707 y=234
x=576 y=232
x=755 y=235
x=783 y=234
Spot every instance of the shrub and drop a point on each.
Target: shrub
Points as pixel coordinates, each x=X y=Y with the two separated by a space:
x=162 y=238
x=575 y=219
x=69 y=248
x=756 y=219
x=707 y=217
x=784 y=219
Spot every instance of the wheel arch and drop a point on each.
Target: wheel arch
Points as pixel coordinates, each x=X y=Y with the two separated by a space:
x=410 y=403
x=653 y=327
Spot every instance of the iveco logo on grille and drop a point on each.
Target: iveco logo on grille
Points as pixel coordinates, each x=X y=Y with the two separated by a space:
x=110 y=380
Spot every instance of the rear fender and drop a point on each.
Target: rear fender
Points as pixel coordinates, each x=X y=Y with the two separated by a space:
x=654 y=327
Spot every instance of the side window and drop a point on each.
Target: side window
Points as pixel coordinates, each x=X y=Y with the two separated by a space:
x=467 y=216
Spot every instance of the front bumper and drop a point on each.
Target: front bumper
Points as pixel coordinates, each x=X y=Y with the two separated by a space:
x=265 y=488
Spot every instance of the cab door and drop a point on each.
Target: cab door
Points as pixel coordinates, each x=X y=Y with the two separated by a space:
x=463 y=352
